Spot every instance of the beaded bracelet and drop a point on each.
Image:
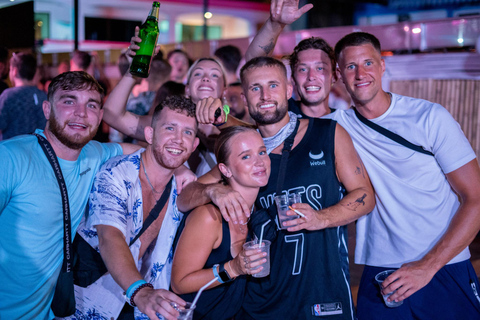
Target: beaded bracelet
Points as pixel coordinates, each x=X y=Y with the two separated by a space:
x=131 y=302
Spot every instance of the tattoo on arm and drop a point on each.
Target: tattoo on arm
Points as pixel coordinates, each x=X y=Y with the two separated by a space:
x=269 y=47
x=357 y=203
x=360 y=170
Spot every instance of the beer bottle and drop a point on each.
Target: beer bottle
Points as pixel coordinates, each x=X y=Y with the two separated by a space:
x=149 y=34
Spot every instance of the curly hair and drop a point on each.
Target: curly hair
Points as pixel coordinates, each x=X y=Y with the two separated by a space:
x=180 y=104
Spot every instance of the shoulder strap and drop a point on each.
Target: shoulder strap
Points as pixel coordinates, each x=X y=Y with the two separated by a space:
x=153 y=215
x=389 y=134
x=67 y=228
x=287 y=147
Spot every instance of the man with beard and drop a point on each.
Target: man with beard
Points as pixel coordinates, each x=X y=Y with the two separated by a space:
x=31 y=224
x=124 y=192
x=308 y=273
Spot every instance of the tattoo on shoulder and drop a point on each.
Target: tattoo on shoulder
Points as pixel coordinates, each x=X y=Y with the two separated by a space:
x=269 y=47
x=360 y=201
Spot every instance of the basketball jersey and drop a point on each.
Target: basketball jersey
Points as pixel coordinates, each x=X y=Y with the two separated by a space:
x=308 y=277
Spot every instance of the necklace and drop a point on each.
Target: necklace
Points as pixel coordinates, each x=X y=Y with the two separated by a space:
x=146 y=175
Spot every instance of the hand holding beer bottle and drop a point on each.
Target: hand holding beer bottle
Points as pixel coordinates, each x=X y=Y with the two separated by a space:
x=148 y=34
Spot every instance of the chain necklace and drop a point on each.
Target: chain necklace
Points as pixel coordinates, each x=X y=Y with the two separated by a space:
x=146 y=175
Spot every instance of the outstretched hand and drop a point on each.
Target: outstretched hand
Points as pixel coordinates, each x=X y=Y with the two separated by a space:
x=286 y=11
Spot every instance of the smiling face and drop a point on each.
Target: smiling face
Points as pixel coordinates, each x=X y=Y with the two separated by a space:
x=313 y=76
x=74 y=116
x=266 y=92
x=206 y=80
x=361 y=68
x=173 y=138
x=248 y=164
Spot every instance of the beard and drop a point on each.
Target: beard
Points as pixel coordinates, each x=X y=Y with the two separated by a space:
x=270 y=118
x=75 y=141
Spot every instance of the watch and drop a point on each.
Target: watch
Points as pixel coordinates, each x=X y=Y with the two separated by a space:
x=223 y=274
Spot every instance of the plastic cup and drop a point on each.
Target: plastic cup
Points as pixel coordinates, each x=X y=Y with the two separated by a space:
x=380 y=278
x=265 y=247
x=283 y=201
x=186 y=312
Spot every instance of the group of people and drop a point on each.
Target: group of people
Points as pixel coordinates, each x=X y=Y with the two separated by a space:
x=163 y=234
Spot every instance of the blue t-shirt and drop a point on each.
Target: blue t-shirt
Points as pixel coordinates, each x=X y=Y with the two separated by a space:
x=31 y=227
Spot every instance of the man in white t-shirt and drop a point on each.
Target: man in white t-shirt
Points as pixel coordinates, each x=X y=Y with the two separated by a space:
x=426 y=213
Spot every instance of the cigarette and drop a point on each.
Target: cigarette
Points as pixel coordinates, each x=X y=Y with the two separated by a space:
x=297 y=212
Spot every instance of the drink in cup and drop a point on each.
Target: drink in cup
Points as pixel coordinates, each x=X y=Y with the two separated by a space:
x=265 y=247
x=186 y=312
x=283 y=201
x=380 y=278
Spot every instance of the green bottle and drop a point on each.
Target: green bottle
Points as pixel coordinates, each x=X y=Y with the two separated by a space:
x=149 y=34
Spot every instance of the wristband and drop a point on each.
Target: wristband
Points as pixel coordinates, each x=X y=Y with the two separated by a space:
x=134 y=287
x=143 y=285
x=226 y=110
x=215 y=273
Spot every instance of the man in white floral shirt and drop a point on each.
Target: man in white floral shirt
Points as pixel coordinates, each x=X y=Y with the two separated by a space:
x=124 y=192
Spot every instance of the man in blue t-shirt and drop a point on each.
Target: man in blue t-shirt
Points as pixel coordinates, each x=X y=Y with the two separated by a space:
x=31 y=227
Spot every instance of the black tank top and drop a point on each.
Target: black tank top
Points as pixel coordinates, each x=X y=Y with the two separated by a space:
x=223 y=301
x=308 y=278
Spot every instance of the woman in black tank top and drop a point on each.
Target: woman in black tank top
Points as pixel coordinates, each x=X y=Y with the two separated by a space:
x=208 y=245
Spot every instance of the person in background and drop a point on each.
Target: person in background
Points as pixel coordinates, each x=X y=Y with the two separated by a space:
x=230 y=56
x=21 y=106
x=427 y=210
x=168 y=89
x=159 y=74
x=180 y=63
x=4 y=68
x=208 y=241
x=234 y=99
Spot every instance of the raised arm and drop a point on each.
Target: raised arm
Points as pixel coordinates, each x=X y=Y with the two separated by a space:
x=115 y=113
x=463 y=228
x=282 y=13
x=360 y=197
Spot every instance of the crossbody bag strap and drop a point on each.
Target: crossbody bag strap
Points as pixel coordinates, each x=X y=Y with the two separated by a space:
x=67 y=227
x=287 y=147
x=153 y=215
x=389 y=134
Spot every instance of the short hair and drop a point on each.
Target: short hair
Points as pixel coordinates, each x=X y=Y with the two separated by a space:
x=159 y=70
x=74 y=81
x=312 y=43
x=169 y=88
x=223 y=147
x=260 y=62
x=230 y=57
x=357 y=39
x=194 y=65
x=25 y=63
x=82 y=59
x=3 y=54
x=180 y=104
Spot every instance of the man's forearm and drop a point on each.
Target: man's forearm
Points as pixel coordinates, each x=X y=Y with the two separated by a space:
x=117 y=256
x=265 y=40
x=116 y=115
x=193 y=195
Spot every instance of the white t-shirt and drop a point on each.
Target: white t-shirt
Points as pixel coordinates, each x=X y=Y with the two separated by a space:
x=414 y=201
